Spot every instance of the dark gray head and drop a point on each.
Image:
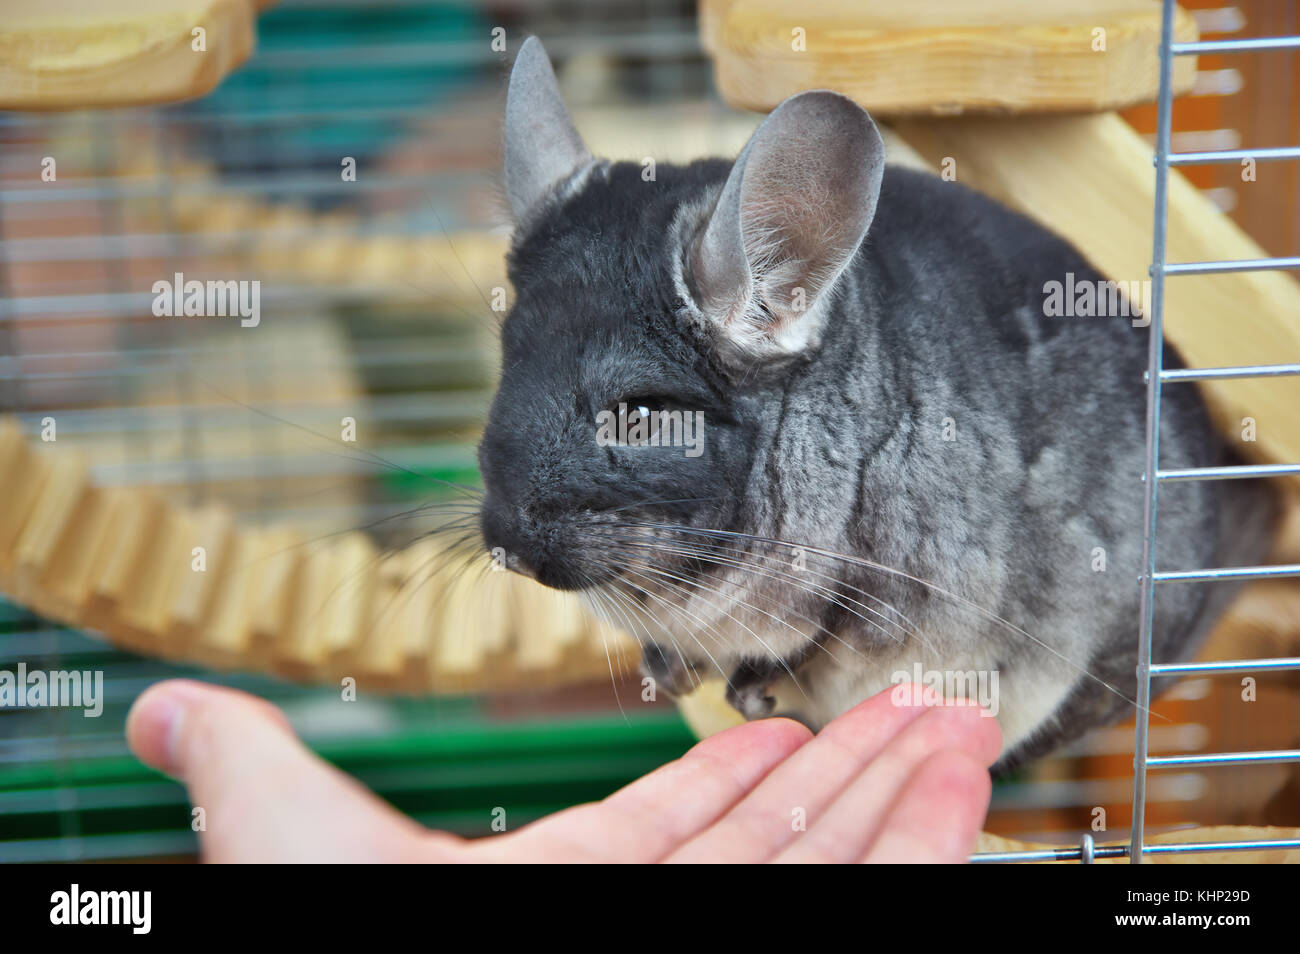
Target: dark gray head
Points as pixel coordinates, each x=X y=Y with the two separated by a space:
x=697 y=291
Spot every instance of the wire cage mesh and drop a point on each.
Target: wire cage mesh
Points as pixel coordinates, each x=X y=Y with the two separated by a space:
x=373 y=297
x=376 y=301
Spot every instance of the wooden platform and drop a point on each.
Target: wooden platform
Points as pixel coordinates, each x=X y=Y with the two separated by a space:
x=936 y=57
x=76 y=54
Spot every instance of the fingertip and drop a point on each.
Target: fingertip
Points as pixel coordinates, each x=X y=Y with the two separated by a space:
x=975 y=728
x=790 y=733
x=976 y=723
x=154 y=723
x=779 y=735
x=166 y=711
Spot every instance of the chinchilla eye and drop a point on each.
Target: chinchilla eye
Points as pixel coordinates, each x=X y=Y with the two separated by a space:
x=639 y=419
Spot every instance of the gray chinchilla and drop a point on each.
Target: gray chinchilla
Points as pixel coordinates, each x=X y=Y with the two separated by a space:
x=805 y=421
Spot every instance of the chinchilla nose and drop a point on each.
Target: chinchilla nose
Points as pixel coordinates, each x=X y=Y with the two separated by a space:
x=539 y=547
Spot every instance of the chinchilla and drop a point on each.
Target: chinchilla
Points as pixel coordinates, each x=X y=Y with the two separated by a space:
x=805 y=421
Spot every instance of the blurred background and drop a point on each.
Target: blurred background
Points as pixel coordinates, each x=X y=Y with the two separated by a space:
x=376 y=304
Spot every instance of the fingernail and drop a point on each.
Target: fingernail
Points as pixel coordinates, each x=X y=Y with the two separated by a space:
x=158 y=718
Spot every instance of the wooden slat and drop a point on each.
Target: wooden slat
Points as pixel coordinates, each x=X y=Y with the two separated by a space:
x=385 y=658
x=56 y=506
x=301 y=651
x=942 y=58
x=147 y=600
x=67 y=578
x=227 y=639
x=70 y=54
x=549 y=625
x=277 y=573
x=23 y=484
x=347 y=610
x=195 y=595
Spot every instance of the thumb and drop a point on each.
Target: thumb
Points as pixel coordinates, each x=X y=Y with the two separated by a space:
x=264 y=796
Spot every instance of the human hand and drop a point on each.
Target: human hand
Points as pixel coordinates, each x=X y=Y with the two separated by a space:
x=882 y=783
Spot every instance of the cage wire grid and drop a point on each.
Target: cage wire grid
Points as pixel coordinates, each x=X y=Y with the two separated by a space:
x=273 y=130
x=1153 y=476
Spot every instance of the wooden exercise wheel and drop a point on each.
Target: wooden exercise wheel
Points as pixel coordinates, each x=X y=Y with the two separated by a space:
x=193 y=585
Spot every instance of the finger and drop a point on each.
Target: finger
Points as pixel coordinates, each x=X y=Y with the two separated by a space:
x=647 y=819
x=263 y=796
x=938 y=814
x=801 y=787
x=844 y=830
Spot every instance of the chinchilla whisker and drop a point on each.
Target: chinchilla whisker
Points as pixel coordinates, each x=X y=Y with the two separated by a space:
x=598 y=606
x=640 y=612
x=844 y=558
x=661 y=503
x=680 y=609
x=704 y=555
x=667 y=634
x=351 y=454
x=625 y=607
x=428 y=571
x=709 y=628
x=933 y=587
x=777 y=604
x=442 y=558
x=421 y=575
x=654 y=571
x=464 y=519
x=769 y=599
x=671 y=608
x=714 y=547
x=495 y=316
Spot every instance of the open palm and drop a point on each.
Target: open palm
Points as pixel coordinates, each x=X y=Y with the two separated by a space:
x=884 y=782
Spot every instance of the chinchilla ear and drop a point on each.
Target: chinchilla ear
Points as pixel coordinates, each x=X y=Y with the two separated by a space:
x=794 y=210
x=542 y=148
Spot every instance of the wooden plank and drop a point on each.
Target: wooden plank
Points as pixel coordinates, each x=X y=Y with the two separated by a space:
x=938 y=57
x=423 y=589
x=195 y=595
x=346 y=614
x=548 y=625
x=55 y=508
x=226 y=640
x=474 y=627
x=71 y=54
x=276 y=575
x=68 y=579
x=1089 y=178
x=147 y=600
x=383 y=658
x=301 y=651
x=22 y=485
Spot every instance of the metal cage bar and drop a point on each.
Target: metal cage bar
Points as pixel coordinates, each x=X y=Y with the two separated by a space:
x=1154 y=476
x=1156 y=376
x=1222 y=374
